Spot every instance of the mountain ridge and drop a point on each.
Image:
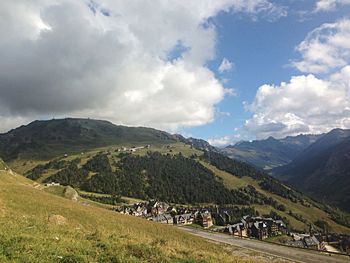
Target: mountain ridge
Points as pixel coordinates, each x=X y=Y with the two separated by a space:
x=270 y=153
x=57 y=136
x=163 y=168
x=322 y=169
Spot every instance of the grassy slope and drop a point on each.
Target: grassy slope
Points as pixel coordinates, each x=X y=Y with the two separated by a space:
x=90 y=234
x=2 y=165
x=311 y=214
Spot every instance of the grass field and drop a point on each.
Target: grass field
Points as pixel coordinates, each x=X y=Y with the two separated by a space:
x=231 y=182
x=86 y=233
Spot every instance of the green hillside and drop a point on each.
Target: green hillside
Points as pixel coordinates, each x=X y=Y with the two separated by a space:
x=47 y=139
x=180 y=174
x=146 y=164
x=36 y=226
x=323 y=169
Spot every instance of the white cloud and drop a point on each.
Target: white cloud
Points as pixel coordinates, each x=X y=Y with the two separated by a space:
x=308 y=103
x=304 y=105
x=110 y=59
x=220 y=142
x=225 y=65
x=326 y=48
x=329 y=5
x=325 y=5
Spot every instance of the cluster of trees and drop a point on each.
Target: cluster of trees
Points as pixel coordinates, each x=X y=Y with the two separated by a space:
x=99 y=163
x=255 y=197
x=71 y=175
x=323 y=225
x=38 y=170
x=340 y=217
x=275 y=187
x=174 y=179
x=297 y=216
x=236 y=213
x=231 y=166
x=171 y=178
x=240 y=169
x=277 y=216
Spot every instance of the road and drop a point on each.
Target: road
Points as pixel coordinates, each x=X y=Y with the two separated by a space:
x=293 y=254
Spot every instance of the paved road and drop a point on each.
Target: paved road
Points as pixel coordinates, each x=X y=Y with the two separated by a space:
x=293 y=254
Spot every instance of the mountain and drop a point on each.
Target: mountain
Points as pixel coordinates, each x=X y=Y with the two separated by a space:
x=201 y=144
x=323 y=169
x=46 y=139
x=150 y=164
x=269 y=153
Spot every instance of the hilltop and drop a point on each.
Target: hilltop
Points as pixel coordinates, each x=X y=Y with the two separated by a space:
x=47 y=139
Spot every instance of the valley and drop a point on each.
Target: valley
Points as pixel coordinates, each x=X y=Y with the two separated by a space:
x=98 y=180
x=176 y=171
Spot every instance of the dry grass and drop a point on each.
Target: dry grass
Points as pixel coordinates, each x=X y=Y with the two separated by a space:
x=88 y=234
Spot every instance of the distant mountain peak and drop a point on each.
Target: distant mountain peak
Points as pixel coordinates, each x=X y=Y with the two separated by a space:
x=322 y=169
x=270 y=152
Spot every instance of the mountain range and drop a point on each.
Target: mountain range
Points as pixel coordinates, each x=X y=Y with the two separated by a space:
x=318 y=165
x=270 y=153
x=323 y=169
x=99 y=157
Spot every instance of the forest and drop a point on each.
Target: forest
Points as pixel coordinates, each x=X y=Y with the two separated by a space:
x=170 y=178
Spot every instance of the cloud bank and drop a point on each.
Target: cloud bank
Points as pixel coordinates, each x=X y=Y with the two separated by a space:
x=131 y=62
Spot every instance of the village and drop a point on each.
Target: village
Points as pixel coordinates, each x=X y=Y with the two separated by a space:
x=257 y=227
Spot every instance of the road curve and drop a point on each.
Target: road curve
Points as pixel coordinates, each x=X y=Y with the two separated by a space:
x=293 y=254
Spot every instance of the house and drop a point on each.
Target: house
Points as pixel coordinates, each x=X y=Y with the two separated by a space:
x=227 y=217
x=184 y=219
x=259 y=230
x=52 y=184
x=295 y=243
x=312 y=242
x=218 y=219
x=157 y=208
x=163 y=219
x=237 y=230
x=272 y=227
x=138 y=209
x=282 y=228
x=204 y=219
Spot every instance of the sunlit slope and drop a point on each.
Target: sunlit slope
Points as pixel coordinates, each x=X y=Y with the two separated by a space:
x=36 y=226
x=304 y=211
x=311 y=214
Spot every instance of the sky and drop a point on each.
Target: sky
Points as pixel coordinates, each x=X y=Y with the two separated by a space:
x=224 y=70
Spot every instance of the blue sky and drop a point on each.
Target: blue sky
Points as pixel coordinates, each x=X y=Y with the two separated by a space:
x=261 y=51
